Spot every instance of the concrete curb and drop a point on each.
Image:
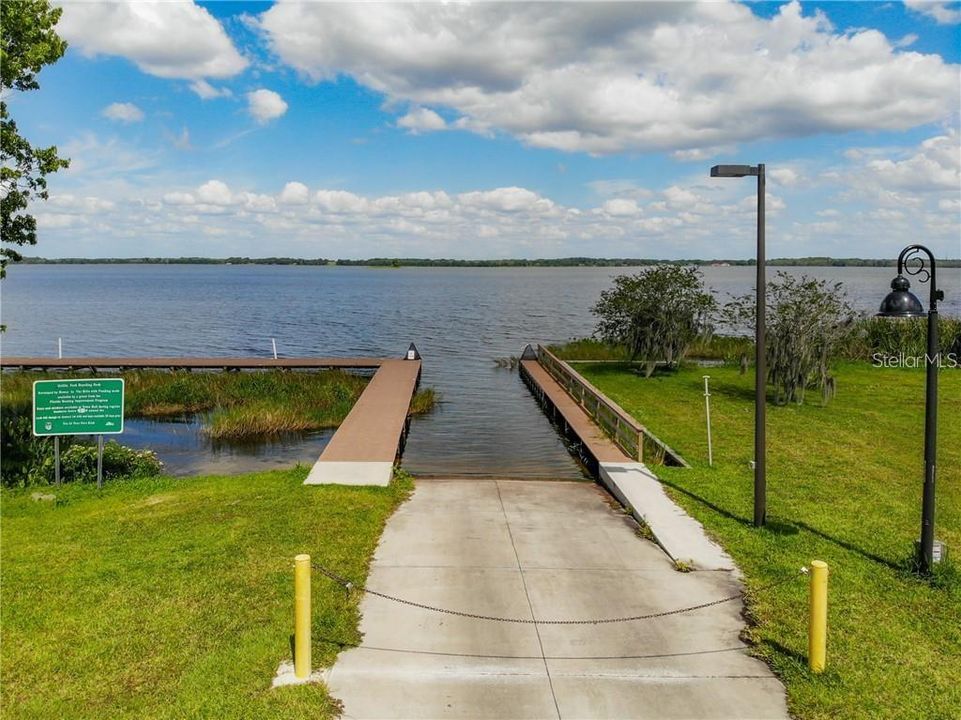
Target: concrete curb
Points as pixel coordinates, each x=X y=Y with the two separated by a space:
x=681 y=536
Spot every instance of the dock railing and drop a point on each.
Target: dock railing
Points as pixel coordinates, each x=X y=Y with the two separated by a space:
x=629 y=435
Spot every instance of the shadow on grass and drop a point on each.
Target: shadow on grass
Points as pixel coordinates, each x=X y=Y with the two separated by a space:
x=741 y=392
x=796 y=656
x=776 y=527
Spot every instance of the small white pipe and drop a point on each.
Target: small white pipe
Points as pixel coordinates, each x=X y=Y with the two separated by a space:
x=274 y=343
x=707 y=407
x=60 y=348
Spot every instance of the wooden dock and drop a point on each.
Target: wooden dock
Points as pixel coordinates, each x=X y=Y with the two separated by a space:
x=368 y=441
x=600 y=447
x=365 y=446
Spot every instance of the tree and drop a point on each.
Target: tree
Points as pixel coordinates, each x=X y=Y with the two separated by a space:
x=806 y=321
x=29 y=43
x=656 y=314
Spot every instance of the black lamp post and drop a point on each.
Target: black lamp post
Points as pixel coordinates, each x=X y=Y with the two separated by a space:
x=901 y=303
x=760 y=397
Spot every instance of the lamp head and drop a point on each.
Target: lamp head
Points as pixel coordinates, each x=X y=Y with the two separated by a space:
x=901 y=302
x=733 y=170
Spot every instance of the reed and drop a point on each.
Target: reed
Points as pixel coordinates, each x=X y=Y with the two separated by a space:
x=235 y=405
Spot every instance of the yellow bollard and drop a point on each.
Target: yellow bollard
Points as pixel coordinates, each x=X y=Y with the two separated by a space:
x=818 y=629
x=302 y=616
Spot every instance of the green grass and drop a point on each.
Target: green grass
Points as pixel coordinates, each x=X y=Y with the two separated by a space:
x=238 y=405
x=167 y=598
x=844 y=486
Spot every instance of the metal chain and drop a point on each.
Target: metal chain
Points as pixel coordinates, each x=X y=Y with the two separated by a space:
x=348 y=586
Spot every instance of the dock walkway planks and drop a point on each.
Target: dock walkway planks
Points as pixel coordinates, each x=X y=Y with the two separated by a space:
x=601 y=447
x=365 y=446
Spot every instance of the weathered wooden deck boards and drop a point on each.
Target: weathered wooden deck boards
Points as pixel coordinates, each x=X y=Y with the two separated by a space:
x=184 y=363
x=363 y=450
x=580 y=423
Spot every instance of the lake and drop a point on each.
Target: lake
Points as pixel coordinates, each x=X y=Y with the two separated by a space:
x=461 y=319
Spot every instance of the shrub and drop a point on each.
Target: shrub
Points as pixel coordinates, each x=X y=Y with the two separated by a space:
x=79 y=462
x=806 y=322
x=26 y=459
x=890 y=336
x=656 y=314
x=587 y=349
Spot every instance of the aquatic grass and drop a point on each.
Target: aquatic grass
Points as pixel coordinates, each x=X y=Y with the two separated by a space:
x=237 y=405
x=844 y=486
x=260 y=420
x=424 y=401
x=158 y=393
x=173 y=598
x=234 y=406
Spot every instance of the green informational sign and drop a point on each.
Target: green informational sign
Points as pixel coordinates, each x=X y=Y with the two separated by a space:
x=78 y=407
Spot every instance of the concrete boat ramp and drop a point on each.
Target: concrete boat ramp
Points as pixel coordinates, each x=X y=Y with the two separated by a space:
x=550 y=551
x=507 y=559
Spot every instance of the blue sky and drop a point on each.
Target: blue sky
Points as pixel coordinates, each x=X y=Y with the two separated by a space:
x=505 y=130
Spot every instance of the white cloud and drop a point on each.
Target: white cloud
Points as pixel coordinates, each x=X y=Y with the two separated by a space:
x=935 y=165
x=422 y=120
x=123 y=112
x=167 y=39
x=294 y=193
x=340 y=201
x=783 y=176
x=89 y=205
x=906 y=41
x=508 y=199
x=605 y=78
x=258 y=203
x=699 y=154
x=938 y=11
x=214 y=192
x=680 y=197
x=53 y=221
x=621 y=207
x=265 y=105
x=206 y=91
x=179 y=198
x=681 y=220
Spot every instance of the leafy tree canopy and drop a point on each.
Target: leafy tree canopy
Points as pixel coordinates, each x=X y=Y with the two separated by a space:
x=656 y=314
x=806 y=322
x=29 y=42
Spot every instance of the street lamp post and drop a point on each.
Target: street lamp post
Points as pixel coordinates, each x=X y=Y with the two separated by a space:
x=901 y=303
x=760 y=364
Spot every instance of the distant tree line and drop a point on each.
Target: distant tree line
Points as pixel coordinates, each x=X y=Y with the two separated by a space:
x=815 y=261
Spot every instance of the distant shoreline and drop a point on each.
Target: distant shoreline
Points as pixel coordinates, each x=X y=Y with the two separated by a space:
x=445 y=262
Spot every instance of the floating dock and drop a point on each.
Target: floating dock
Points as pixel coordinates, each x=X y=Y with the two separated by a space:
x=596 y=443
x=368 y=441
x=632 y=482
x=186 y=363
x=363 y=449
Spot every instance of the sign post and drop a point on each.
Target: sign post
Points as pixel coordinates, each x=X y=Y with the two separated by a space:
x=707 y=408
x=78 y=406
